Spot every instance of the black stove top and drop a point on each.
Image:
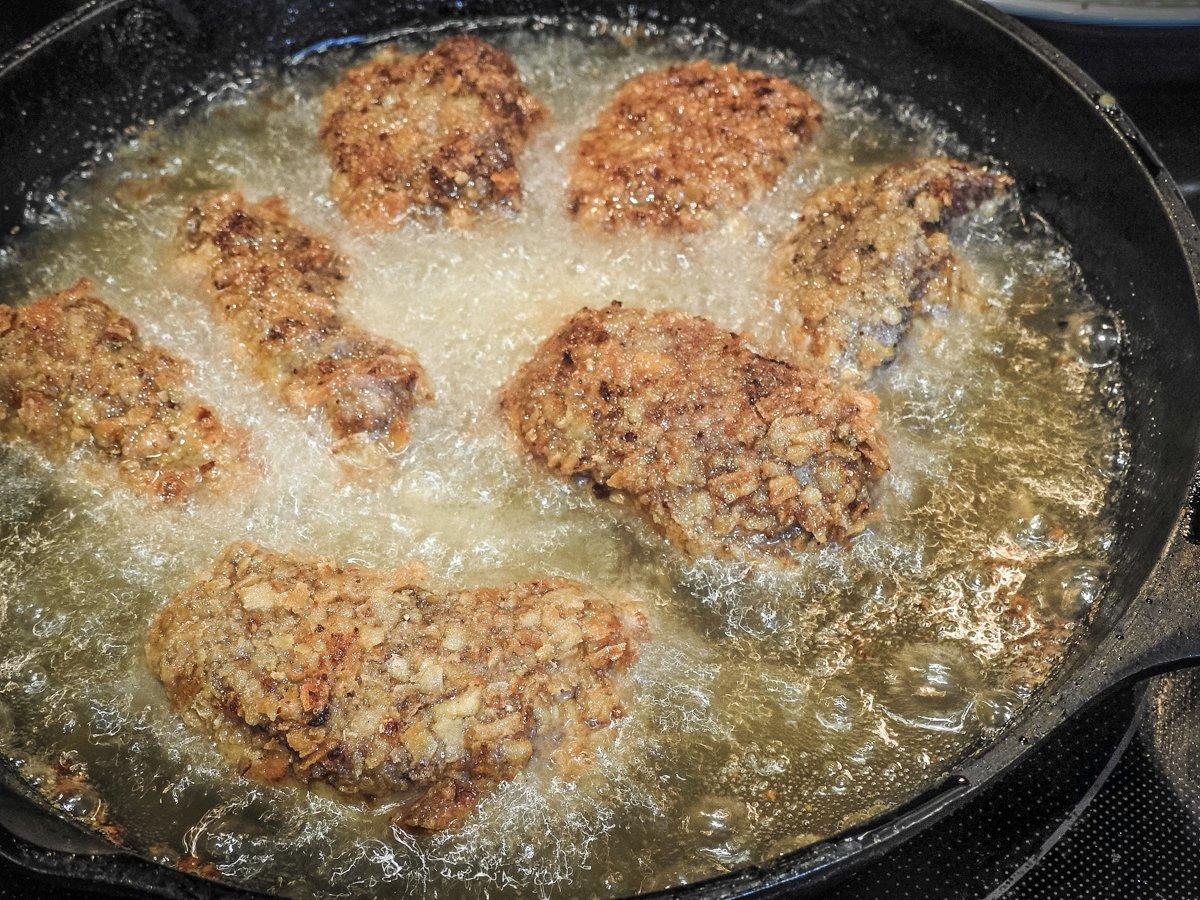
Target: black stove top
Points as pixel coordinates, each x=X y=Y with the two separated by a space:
x=1100 y=812
x=1110 y=808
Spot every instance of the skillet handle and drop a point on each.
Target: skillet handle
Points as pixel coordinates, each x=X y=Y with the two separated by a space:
x=1161 y=629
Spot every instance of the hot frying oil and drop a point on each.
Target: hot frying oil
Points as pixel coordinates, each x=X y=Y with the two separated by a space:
x=772 y=707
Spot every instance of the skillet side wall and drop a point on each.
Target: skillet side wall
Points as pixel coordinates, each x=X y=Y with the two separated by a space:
x=124 y=62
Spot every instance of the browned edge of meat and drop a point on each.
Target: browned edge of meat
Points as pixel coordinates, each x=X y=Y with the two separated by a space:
x=677 y=147
x=361 y=679
x=867 y=255
x=436 y=131
x=723 y=450
x=75 y=373
x=275 y=285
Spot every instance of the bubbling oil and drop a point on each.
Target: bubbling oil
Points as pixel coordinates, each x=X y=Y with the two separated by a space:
x=772 y=708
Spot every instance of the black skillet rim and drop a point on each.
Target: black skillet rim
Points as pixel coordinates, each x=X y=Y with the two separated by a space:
x=811 y=866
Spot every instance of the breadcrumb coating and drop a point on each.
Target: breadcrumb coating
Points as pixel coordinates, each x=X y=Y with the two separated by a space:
x=74 y=373
x=275 y=285
x=677 y=147
x=723 y=450
x=441 y=130
x=867 y=255
x=311 y=671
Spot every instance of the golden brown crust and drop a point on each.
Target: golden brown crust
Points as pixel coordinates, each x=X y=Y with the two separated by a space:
x=437 y=131
x=677 y=147
x=724 y=450
x=311 y=671
x=866 y=254
x=275 y=285
x=74 y=373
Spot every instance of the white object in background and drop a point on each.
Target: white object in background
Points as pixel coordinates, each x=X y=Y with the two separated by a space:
x=1148 y=13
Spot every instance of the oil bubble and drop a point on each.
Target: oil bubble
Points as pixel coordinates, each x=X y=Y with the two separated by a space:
x=1082 y=584
x=79 y=800
x=1069 y=587
x=66 y=721
x=862 y=755
x=933 y=687
x=721 y=825
x=1094 y=338
x=234 y=841
x=33 y=679
x=1031 y=525
x=50 y=626
x=717 y=818
x=728 y=855
x=769 y=760
x=835 y=712
x=26 y=615
x=997 y=709
x=1113 y=461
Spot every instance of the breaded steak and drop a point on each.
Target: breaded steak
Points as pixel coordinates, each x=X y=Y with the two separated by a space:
x=677 y=147
x=311 y=671
x=723 y=450
x=275 y=285
x=74 y=373
x=441 y=130
x=868 y=254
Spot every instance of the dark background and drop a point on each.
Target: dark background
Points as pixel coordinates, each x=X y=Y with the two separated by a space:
x=1089 y=816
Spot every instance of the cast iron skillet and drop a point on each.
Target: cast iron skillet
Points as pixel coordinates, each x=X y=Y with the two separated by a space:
x=1081 y=164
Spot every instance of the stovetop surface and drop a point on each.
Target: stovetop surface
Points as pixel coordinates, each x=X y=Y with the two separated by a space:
x=1109 y=809
x=1091 y=815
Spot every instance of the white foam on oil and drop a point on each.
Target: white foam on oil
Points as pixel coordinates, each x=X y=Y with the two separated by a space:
x=771 y=708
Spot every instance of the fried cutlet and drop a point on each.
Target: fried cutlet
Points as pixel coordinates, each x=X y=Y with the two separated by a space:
x=275 y=285
x=677 y=147
x=723 y=450
x=310 y=671
x=867 y=255
x=76 y=374
x=438 y=131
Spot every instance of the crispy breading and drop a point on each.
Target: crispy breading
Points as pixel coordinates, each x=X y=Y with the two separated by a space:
x=311 y=671
x=74 y=373
x=867 y=255
x=437 y=131
x=275 y=285
x=723 y=450
x=677 y=147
